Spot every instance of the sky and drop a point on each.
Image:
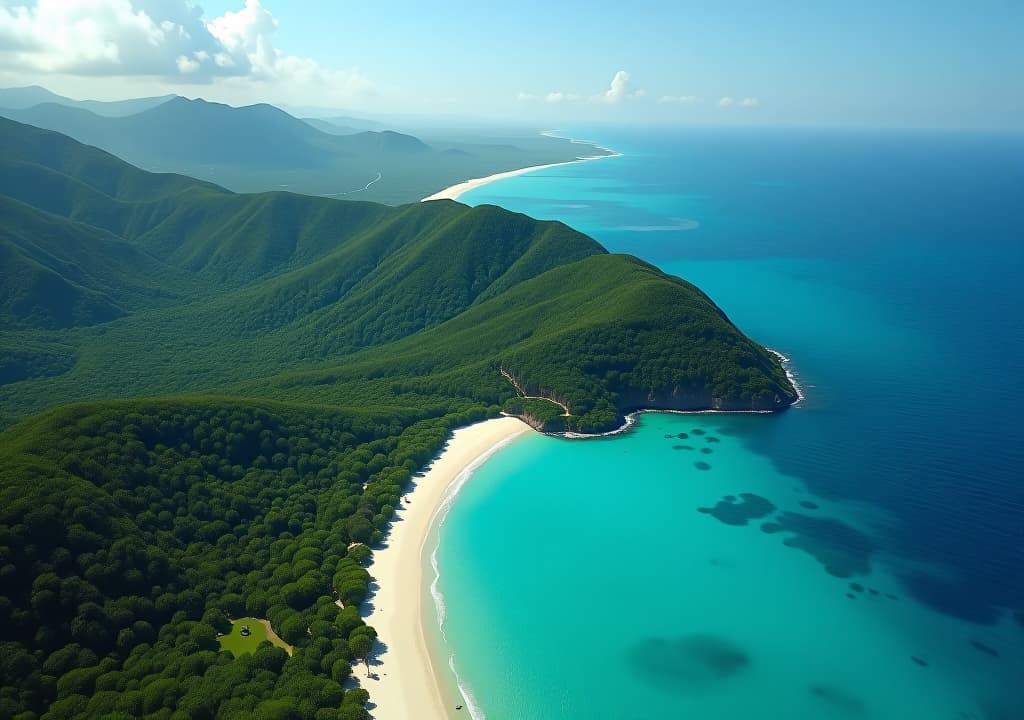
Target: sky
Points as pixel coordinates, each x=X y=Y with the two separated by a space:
x=899 y=63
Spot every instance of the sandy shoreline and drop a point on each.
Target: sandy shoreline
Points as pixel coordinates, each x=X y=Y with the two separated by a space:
x=405 y=683
x=455 y=191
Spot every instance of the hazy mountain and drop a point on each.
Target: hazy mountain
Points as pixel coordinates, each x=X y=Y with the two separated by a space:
x=182 y=132
x=350 y=121
x=331 y=128
x=261 y=147
x=22 y=98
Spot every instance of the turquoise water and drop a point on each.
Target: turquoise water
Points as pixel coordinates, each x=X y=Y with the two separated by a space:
x=867 y=559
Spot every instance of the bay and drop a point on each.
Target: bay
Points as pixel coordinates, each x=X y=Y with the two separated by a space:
x=881 y=561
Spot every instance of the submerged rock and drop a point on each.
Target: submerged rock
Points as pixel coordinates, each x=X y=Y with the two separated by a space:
x=687 y=664
x=733 y=511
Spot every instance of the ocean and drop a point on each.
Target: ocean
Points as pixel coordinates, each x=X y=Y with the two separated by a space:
x=860 y=555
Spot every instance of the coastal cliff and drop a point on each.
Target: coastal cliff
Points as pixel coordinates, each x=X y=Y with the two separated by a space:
x=548 y=412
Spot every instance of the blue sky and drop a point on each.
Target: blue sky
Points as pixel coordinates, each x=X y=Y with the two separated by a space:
x=906 y=64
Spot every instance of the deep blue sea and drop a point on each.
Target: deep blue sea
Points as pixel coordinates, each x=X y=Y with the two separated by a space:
x=860 y=555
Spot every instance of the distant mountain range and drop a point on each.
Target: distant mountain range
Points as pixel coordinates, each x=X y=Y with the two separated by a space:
x=261 y=147
x=195 y=132
x=22 y=98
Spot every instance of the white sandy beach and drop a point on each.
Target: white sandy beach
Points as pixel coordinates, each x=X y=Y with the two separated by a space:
x=455 y=191
x=405 y=683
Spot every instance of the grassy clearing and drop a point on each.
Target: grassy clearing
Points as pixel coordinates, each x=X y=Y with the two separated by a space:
x=235 y=642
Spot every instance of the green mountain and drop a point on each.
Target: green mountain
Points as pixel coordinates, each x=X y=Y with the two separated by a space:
x=22 y=98
x=216 y=402
x=262 y=148
x=282 y=282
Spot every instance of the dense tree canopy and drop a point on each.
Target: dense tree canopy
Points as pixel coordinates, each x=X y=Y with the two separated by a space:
x=130 y=532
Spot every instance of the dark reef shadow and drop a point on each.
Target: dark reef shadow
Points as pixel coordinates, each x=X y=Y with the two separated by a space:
x=687 y=665
x=731 y=511
x=949 y=597
x=843 y=550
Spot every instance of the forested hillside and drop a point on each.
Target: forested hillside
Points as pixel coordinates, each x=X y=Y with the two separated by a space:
x=131 y=531
x=213 y=290
x=309 y=356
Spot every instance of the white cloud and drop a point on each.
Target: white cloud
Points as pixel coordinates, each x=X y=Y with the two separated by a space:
x=726 y=102
x=161 y=38
x=187 y=64
x=102 y=37
x=617 y=90
x=749 y=102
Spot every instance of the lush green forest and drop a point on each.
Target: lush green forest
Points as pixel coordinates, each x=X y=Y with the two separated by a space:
x=131 y=531
x=214 y=401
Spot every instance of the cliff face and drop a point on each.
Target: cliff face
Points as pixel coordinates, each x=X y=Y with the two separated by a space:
x=676 y=398
x=545 y=426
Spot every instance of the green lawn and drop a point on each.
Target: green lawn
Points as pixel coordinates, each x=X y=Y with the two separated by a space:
x=237 y=644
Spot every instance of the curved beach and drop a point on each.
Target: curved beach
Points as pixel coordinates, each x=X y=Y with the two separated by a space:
x=456 y=191
x=404 y=682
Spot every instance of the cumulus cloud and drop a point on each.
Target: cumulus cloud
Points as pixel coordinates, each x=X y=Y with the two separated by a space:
x=749 y=102
x=618 y=90
x=162 y=38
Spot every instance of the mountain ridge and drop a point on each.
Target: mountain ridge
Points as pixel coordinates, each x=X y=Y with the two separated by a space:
x=307 y=281
x=21 y=98
x=259 y=148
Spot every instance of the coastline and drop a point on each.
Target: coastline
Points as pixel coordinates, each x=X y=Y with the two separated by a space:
x=455 y=191
x=406 y=682
x=790 y=375
x=632 y=417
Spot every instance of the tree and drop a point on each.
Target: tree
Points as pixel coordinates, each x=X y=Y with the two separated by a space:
x=361 y=646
